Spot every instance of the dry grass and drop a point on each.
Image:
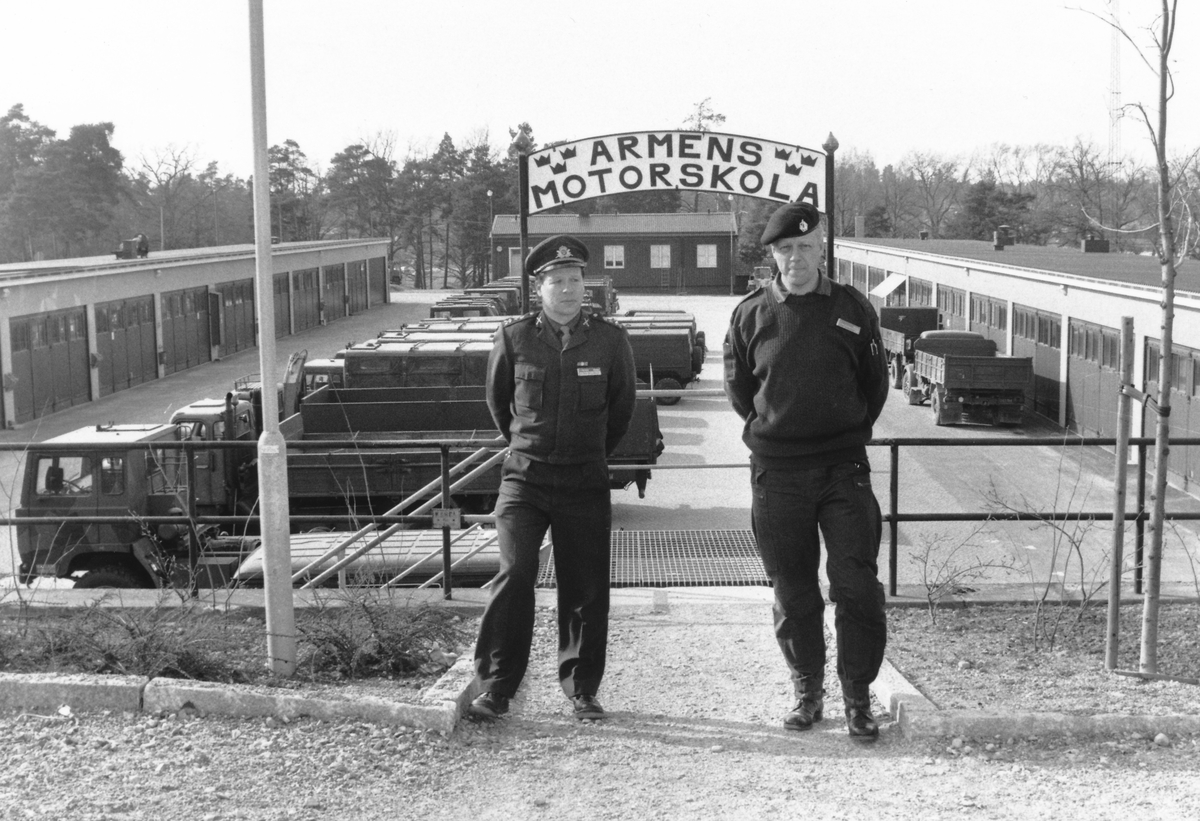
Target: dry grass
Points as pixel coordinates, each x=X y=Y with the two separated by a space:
x=342 y=641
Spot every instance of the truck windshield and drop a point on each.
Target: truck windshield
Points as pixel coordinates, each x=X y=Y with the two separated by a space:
x=64 y=476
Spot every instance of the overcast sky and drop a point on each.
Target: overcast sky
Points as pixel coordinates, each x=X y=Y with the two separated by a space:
x=884 y=76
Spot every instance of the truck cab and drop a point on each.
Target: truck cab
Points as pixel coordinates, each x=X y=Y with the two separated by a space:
x=321 y=372
x=220 y=474
x=106 y=470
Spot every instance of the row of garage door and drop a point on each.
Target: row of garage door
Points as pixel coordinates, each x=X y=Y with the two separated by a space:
x=51 y=361
x=1093 y=375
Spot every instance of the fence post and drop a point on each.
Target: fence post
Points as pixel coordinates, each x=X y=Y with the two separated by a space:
x=447 y=582
x=1139 y=530
x=1124 y=409
x=893 y=510
x=193 y=535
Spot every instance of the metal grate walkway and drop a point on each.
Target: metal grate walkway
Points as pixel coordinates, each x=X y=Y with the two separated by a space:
x=677 y=558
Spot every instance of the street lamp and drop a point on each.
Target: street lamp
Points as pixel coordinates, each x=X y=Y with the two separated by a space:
x=488 y=267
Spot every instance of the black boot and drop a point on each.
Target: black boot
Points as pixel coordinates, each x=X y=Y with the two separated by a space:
x=859 y=721
x=810 y=705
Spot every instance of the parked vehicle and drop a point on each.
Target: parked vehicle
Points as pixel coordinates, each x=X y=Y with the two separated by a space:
x=665 y=358
x=899 y=328
x=117 y=471
x=964 y=380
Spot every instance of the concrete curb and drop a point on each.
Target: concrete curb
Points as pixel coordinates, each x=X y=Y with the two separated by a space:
x=207 y=698
x=924 y=724
x=440 y=708
x=79 y=691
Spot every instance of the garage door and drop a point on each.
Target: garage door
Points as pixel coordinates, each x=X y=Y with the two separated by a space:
x=50 y=362
x=185 y=329
x=306 y=299
x=237 y=315
x=334 y=299
x=125 y=343
x=356 y=286
x=283 y=312
x=378 y=277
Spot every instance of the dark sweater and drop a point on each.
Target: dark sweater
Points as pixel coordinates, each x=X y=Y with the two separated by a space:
x=807 y=373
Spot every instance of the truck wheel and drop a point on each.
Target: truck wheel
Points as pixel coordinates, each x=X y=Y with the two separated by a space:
x=117 y=577
x=938 y=403
x=911 y=390
x=667 y=383
x=896 y=372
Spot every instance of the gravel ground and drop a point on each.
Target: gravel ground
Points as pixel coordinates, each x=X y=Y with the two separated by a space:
x=696 y=694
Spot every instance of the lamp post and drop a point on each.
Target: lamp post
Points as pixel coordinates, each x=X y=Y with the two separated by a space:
x=487 y=273
x=519 y=150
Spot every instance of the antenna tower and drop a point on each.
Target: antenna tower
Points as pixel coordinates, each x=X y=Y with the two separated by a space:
x=1114 y=104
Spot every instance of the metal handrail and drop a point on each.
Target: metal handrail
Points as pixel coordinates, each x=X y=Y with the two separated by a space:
x=893 y=517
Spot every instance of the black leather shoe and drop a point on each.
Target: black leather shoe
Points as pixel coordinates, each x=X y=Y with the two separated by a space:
x=489 y=705
x=587 y=708
x=861 y=723
x=809 y=709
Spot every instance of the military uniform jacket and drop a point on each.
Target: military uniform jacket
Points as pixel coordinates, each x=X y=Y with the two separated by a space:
x=561 y=406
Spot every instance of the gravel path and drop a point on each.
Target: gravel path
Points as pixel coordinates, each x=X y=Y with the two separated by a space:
x=696 y=694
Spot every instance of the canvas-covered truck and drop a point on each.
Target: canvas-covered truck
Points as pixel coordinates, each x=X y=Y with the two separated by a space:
x=963 y=379
x=899 y=328
x=664 y=358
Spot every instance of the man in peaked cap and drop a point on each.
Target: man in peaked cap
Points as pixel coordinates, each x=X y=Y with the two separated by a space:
x=805 y=369
x=561 y=388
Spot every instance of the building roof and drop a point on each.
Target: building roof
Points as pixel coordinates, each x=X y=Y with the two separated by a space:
x=721 y=222
x=1128 y=268
x=108 y=262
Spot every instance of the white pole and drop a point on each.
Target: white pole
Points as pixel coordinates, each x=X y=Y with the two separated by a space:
x=272 y=450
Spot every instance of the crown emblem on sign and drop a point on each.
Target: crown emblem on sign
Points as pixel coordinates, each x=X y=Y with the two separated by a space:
x=563 y=252
x=804 y=226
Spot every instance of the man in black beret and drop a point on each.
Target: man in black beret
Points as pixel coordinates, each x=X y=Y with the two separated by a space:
x=561 y=388
x=805 y=369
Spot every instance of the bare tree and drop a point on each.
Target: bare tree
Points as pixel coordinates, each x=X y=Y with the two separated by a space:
x=167 y=173
x=938 y=182
x=1176 y=232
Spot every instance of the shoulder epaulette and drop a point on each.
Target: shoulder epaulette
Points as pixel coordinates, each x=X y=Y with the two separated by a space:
x=757 y=292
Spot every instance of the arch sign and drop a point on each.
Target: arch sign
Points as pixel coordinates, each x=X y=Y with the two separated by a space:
x=675 y=160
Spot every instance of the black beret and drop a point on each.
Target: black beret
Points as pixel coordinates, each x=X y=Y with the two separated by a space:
x=556 y=252
x=795 y=219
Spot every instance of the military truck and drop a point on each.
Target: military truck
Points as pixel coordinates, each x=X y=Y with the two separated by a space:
x=111 y=471
x=394 y=362
x=683 y=321
x=964 y=379
x=510 y=295
x=118 y=471
x=455 y=307
x=899 y=328
x=664 y=358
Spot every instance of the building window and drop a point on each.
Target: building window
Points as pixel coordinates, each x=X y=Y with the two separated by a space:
x=660 y=256
x=706 y=256
x=614 y=256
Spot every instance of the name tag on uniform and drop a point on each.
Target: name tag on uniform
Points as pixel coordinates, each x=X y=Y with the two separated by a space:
x=849 y=326
x=585 y=371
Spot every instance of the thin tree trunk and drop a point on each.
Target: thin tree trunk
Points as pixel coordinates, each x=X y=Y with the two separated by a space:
x=1162 y=434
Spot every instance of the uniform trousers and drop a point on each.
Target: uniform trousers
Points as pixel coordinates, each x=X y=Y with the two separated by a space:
x=789 y=508
x=574 y=502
